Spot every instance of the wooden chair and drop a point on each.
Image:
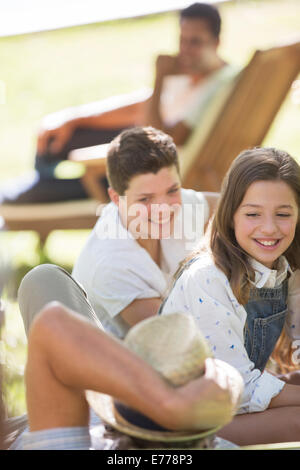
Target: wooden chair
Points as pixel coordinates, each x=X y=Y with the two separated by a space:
x=43 y=218
x=244 y=119
x=94 y=160
x=238 y=117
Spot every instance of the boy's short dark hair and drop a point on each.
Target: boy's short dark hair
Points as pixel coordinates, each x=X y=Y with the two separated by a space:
x=205 y=12
x=138 y=151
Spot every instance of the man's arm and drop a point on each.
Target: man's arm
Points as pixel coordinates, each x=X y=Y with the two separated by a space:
x=120 y=117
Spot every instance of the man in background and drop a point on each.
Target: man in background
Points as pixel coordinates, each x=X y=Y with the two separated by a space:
x=183 y=86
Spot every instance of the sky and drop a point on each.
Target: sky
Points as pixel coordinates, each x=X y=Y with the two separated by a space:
x=26 y=16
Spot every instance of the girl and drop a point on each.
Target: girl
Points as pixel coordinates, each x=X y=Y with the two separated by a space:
x=245 y=288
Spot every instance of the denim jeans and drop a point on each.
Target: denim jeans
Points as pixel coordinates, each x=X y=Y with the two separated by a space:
x=42 y=186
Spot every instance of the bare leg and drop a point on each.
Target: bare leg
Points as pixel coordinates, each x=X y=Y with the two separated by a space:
x=67 y=354
x=270 y=426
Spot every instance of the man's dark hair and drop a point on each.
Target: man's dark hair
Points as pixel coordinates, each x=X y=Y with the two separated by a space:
x=138 y=151
x=205 y=12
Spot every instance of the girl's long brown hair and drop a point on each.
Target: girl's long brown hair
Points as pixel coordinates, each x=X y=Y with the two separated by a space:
x=257 y=164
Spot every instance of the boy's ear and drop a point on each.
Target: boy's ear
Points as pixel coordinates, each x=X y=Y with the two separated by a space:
x=114 y=196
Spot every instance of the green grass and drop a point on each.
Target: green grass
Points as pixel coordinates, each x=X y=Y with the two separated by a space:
x=44 y=72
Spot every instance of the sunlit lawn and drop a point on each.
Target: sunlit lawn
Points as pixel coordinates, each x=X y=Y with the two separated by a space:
x=44 y=72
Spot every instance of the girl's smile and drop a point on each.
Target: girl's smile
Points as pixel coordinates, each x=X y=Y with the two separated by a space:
x=268 y=244
x=265 y=222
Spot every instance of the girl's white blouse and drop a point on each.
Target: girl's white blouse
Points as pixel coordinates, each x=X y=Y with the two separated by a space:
x=203 y=291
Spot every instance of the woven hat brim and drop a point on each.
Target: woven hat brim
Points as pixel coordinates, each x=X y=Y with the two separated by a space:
x=103 y=406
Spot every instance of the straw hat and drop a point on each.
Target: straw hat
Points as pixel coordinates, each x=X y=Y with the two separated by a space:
x=173 y=346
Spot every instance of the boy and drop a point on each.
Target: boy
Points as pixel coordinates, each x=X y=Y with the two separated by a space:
x=129 y=259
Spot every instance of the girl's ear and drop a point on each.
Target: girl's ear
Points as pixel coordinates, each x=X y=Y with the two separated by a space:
x=114 y=196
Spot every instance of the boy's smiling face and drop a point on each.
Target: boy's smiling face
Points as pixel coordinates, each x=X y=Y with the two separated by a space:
x=266 y=220
x=150 y=203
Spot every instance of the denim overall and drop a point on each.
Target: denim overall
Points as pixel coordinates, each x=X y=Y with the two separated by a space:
x=266 y=312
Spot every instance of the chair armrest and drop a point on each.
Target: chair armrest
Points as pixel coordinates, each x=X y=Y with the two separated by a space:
x=90 y=156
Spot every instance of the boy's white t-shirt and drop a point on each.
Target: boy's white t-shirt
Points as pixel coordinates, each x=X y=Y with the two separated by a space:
x=115 y=270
